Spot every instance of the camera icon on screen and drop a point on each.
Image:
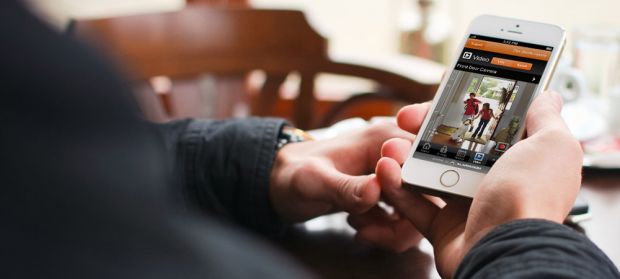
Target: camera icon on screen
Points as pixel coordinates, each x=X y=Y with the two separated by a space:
x=467 y=55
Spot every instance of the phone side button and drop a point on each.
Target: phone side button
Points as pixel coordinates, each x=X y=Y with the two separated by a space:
x=449 y=178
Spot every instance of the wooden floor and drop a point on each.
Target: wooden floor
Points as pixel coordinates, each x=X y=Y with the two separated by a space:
x=468 y=143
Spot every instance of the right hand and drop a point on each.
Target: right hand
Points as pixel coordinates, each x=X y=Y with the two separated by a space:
x=539 y=177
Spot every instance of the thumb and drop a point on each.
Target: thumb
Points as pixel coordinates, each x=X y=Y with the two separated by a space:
x=544 y=113
x=354 y=194
x=420 y=211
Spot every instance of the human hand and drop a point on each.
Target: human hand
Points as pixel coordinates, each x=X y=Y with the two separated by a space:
x=392 y=230
x=538 y=177
x=313 y=178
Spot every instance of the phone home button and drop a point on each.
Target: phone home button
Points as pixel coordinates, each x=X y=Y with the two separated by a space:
x=449 y=178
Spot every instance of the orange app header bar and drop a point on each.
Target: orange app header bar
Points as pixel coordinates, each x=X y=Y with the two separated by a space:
x=526 y=52
x=511 y=63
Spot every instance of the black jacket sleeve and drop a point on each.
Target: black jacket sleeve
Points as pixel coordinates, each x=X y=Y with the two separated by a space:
x=225 y=166
x=84 y=184
x=535 y=249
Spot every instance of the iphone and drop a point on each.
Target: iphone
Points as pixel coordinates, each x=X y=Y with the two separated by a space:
x=479 y=110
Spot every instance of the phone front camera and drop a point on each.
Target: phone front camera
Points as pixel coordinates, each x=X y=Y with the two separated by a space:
x=518 y=25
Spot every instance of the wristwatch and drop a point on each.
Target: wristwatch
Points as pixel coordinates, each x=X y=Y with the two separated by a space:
x=290 y=134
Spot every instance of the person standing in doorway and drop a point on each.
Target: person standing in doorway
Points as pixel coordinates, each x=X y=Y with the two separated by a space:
x=485 y=116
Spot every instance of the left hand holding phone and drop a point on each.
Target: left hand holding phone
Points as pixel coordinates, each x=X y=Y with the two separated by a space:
x=312 y=178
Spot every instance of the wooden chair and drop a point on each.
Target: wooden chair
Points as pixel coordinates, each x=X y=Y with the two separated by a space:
x=233 y=41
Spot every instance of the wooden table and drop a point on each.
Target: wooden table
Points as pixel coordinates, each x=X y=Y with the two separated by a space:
x=602 y=191
x=325 y=245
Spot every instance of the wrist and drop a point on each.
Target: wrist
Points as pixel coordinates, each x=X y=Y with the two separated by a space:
x=283 y=169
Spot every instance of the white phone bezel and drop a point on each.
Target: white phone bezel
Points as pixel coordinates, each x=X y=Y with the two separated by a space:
x=491 y=26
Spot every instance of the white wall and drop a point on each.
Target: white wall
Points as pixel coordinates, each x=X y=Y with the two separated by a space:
x=371 y=26
x=566 y=13
x=58 y=12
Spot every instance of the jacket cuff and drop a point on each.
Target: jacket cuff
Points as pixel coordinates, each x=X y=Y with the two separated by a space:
x=260 y=212
x=532 y=248
x=228 y=167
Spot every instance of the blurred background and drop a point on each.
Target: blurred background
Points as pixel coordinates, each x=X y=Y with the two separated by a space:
x=405 y=40
x=367 y=26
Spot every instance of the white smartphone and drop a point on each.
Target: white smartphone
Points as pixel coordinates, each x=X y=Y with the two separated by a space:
x=479 y=110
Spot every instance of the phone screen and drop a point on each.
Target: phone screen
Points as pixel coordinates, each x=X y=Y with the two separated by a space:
x=482 y=107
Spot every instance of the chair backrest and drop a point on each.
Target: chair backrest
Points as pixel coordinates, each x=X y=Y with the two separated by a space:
x=201 y=39
x=232 y=41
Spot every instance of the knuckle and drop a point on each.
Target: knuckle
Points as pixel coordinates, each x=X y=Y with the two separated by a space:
x=345 y=193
